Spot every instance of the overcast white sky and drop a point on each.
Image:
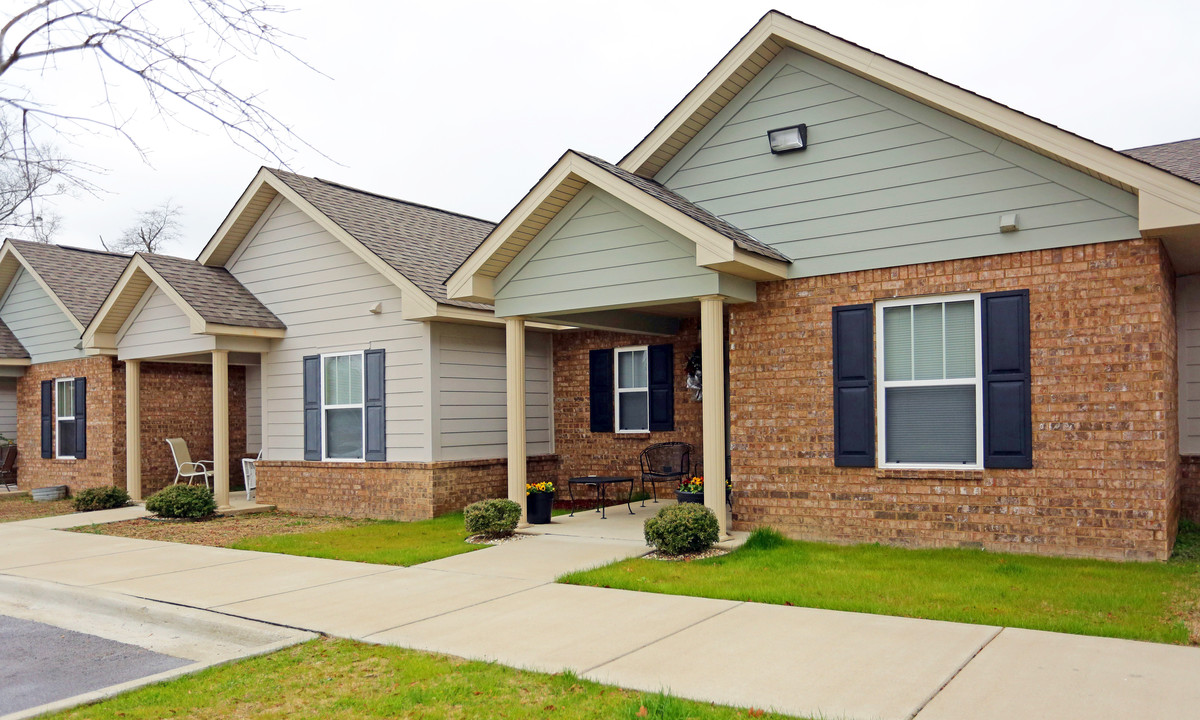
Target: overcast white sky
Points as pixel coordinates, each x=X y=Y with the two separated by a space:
x=463 y=105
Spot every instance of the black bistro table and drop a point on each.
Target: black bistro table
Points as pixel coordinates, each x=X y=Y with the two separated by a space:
x=601 y=483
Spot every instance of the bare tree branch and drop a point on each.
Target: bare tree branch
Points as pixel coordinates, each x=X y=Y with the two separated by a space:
x=153 y=230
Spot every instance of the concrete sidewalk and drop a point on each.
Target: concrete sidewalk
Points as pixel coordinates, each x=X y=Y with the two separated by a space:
x=501 y=604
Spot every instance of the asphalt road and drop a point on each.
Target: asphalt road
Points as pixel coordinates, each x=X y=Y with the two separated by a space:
x=42 y=663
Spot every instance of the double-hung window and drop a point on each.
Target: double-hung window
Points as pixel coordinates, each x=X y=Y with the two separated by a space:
x=633 y=389
x=342 y=406
x=929 y=397
x=64 y=417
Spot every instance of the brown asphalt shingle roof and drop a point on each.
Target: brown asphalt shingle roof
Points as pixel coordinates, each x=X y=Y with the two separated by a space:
x=1178 y=158
x=10 y=347
x=80 y=278
x=213 y=292
x=685 y=206
x=423 y=244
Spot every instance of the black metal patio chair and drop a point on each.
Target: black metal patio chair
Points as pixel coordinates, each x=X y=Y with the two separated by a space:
x=669 y=462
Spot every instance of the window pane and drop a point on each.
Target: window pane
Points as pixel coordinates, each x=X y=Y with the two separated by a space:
x=354 y=393
x=631 y=369
x=633 y=411
x=897 y=343
x=66 y=398
x=66 y=438
x=927 y=342
x=960 y=339
x=343 y=433
x=931 y=424
x=331 y=381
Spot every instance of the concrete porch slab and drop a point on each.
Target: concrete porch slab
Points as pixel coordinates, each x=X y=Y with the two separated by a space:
x=1030 y=674
x=800 y=661
x=261 y=575
x=541 y=559
x=555 y=627
x=363 y=606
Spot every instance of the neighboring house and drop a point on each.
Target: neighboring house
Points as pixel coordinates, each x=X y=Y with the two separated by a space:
x=923 y=317
x=368 y=392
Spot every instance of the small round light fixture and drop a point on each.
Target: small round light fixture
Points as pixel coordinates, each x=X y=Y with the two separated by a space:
x=788 y=139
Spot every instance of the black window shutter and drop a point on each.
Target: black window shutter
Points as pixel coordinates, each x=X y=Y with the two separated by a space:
x=81 y=418
x=312 y=407
x=1007 y=413
x=47 y=419
x=662 y=388
x=853 y=386
x=374 y=402
x=600 y=383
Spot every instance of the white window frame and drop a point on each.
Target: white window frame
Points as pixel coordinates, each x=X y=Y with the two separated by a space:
x=361 y=406
x=882 y=385
x=57 y=418
x=618 y=390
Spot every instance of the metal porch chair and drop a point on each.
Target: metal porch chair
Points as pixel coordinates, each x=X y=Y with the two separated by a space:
x=665 y=462
x=186 y=468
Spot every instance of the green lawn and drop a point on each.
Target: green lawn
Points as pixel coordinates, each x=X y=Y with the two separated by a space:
x=385 y=543
x=344 y=679
x=1143 y=601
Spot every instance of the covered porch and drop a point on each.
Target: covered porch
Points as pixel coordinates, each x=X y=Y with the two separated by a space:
x=600 y=249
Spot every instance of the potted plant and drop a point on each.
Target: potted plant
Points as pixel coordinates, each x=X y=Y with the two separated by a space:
x=692 y=490
x=539 y=499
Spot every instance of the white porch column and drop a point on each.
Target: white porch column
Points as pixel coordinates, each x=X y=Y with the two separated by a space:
x=514 y=343
x=133 y=429
x=712 y=362
x=220 y=408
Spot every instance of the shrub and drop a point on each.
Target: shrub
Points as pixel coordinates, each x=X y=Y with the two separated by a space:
x=765 y=538
x=683 y=528
x=492 y=517
x=182 y=501
x=101 y=498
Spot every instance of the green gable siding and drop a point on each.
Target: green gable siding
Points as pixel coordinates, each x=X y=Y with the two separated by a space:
x=600 y=253
x=38 y=322
x=885 y=180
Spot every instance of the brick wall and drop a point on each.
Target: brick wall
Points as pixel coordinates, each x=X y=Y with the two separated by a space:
x=389 y=490
x=176 y=401
x=1104 y=481
x=105 y=426
x=586 y=453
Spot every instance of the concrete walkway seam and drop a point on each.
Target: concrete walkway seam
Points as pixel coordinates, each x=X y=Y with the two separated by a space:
x=451 y=612
x=660 y=638
x=955 y=674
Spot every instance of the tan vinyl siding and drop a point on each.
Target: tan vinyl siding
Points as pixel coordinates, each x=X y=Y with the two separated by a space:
x=8 y=408
x=469 y=392
x=160 y=329
x=37 y=321
x=1187 y=317
x=884 y=181
x=253 y=408
x=323 y=292
x=598 y=253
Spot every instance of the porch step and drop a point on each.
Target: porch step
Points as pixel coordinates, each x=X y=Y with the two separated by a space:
x=246 y=509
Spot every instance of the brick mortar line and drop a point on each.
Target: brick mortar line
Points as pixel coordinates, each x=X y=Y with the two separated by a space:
x=963 y=666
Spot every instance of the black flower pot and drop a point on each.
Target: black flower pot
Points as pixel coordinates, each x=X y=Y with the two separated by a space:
x=689 y=497
x=537 y=507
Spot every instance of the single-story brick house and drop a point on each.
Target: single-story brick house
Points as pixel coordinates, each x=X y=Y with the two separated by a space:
x=922 y=317
x=368 y=391
x=64 y=406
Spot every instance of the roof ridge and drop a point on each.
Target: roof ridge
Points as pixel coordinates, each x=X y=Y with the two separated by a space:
x=72 y=247
x=381 y=196
x=1164 y=144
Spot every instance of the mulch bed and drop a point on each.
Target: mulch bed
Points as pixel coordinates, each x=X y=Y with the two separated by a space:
x=686 y=557
x=22 y=507
x=222 y=531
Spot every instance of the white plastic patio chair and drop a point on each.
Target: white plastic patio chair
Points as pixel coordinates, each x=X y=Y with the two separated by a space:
x=250 y=473
x=185 y=467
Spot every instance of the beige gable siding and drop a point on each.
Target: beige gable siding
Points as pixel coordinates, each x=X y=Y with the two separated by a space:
x=599 y=252
x=159 y=329
x=8 y=408
x=884 y=181
x=37 y=321
x=323 y=293
x=469 y=392
x=1187 y=318
x=253 y=408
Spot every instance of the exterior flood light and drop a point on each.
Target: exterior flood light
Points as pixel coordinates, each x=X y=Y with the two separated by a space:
x=788 y=139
